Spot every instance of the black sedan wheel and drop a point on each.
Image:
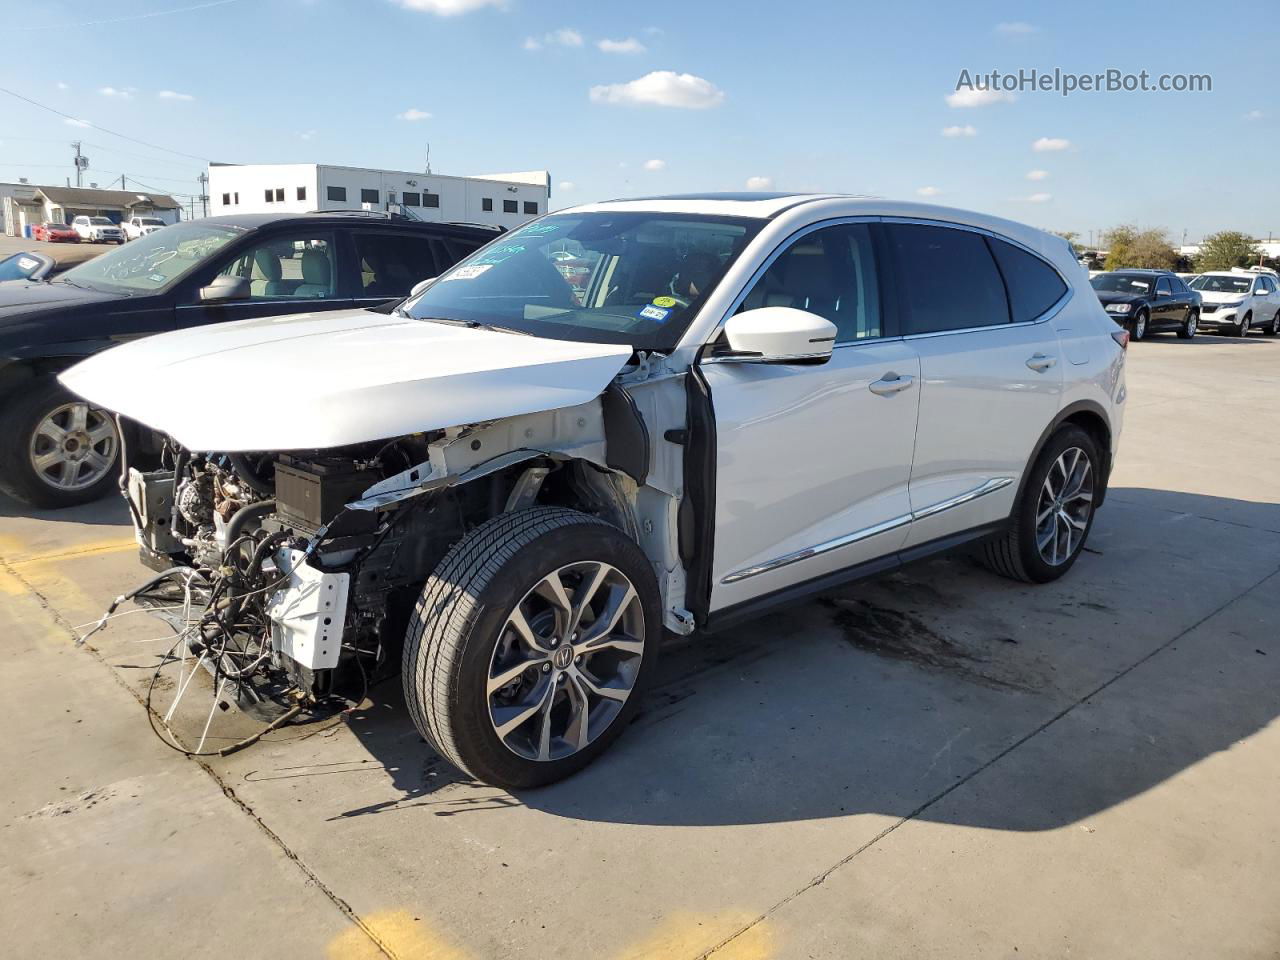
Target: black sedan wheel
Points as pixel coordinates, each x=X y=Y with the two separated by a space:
x=1190 y=325
x=1138 y=330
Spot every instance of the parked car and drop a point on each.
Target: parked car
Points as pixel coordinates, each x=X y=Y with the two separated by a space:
x=55 y=450
x=97 y=230
x=136 y=227
x=55 y=233
x=1238 y=300
x=26 y=266
x=754 y=397
x=1147 y=301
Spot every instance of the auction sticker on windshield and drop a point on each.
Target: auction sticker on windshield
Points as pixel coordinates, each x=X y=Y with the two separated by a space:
x=469 y=272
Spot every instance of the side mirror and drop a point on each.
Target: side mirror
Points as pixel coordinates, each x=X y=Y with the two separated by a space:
x=421 y=285
x=780 y=335
x=227 y=288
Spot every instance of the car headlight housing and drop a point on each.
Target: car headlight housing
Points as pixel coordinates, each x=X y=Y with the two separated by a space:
x=1117 y=308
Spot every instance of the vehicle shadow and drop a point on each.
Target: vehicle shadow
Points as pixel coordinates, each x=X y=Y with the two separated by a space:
x=886 y=695
x=1205 y=339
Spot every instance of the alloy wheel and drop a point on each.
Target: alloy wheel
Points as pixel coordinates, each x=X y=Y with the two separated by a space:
x=1140 y=326
x=74 y=446
x=566 y=661
x=1192 y=322
x=1244 y=328
x=1064 y=507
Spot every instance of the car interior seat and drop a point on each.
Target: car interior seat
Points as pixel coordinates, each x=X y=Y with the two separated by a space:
x=316 y=274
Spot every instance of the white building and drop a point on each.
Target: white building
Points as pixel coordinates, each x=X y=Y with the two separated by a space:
x=504 y=199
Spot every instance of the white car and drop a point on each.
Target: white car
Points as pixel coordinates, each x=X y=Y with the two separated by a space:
x=97 y=230
x=1238 y=301
x=136 y=227
x=518 y=484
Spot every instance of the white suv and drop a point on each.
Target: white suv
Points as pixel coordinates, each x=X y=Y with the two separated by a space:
x=616 y=421
x=97 y=230
x=136 y=227
x=1238 y=301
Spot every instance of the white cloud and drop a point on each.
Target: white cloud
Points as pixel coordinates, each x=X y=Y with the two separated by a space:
x=447 y=8
x=655 y=165
x=927 y=191
x=973 y=97
x=662 y=88
x=1018 y=28
x=1254 y=115
x=629 y=45
x=72 y=122
x=564 y=37
x=174 y=95
x=63 y=86
x=532 y=43
x=116 y=92
x=759 y=183
x=1048 y=144
x=1037 y=174
x=967 y=130
x=1040 y=198
x=307 y=135
x=566 y=186
x=412 y=114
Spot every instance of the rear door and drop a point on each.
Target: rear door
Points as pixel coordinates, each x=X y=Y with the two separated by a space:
x=991 y=378
x=813 y=461
x=387 y=263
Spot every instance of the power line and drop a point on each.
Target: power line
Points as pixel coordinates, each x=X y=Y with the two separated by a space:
x=127 y=19
x=94 y=126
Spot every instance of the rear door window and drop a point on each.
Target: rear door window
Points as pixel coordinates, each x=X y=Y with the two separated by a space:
x=1033 y=285
x=947 y=279
x=391 y=264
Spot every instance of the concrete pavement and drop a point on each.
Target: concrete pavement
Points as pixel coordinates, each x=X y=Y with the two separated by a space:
x=938 y=763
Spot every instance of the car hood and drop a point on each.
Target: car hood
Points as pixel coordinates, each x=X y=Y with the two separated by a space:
x=1218 y=296
x=19 y=299
x=317 y=380
x=1111 y=296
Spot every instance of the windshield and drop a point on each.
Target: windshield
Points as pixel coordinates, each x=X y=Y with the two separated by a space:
x=154 y=261
x=1121 y=283
x=1222 y=284
x=626 y=278
x=101 y=222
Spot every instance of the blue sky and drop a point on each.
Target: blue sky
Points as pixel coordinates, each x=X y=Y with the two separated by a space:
x=806 y=96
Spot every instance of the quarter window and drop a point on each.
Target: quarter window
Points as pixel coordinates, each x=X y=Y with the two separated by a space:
x=1033 y=285
x=830 y=272
x=368 y=196
x=948 y=279
x=338 y=194
x=390 y=265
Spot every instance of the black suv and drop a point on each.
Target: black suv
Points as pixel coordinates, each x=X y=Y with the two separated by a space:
x=1146 y=301
x=56 y=450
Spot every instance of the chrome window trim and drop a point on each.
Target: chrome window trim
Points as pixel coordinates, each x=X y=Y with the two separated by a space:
x=848 y=539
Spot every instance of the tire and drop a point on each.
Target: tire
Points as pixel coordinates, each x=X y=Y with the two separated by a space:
x=1139 y=328
x=1243 y=329
x=462 y=631
x=1274 y=329
x=1189 y=326
x=1017 y=554
x=21 y=417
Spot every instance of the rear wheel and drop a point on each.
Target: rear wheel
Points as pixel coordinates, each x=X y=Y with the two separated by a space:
x=531 y=645
x=55 y=449
x=1054 y=514
x=1274 y=329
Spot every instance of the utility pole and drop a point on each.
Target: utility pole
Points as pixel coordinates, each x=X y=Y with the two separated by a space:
x=204 y=193
x=428 y=171
x=79 y=162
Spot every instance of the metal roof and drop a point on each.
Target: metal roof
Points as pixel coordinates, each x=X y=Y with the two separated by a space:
x=92 y=196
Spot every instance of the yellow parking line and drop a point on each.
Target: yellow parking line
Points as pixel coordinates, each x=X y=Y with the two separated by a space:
x=394 y=933
x=15 y=551
x=686 y=935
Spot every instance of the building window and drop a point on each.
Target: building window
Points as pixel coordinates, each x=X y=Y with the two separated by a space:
x=302 y=193
x=237 y=196
x=531 y=207
x=269 y=194
x=431 y=199
x=510 y=206
x=412 y=199
x=337 y=193
x=487 y=204
x=368 y=196
x=280 y=194
x=226 y=199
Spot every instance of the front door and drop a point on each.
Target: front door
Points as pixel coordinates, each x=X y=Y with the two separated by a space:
x=813 y=461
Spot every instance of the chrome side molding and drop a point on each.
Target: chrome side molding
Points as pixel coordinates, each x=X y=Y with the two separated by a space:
x=991 y=486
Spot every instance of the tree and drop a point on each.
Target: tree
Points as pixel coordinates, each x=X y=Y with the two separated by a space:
x=1226 y=249
x=1127 y=246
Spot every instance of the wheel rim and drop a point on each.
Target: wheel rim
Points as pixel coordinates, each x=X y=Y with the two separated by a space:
x=1244 y=327
x=1191 y=324
x=1139 y=327
x=74 y=447
x=1064 y=507
x=566 y=661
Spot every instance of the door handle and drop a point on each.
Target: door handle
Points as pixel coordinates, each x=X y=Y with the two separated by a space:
x=890 y=384
x=1040 y=363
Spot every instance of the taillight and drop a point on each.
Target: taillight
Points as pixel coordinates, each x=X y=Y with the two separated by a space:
x=1121 y=337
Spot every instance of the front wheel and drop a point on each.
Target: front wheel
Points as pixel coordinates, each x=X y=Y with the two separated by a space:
x=531 y=645
x=1139 y=329
x=1243 y=329
x=1189 y=326
x=55 y=449
x=1054 y=513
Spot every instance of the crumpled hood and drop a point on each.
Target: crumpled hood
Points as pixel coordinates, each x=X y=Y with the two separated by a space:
x=317 y=380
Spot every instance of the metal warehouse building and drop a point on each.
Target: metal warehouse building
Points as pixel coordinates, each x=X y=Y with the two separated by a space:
x=503 y=199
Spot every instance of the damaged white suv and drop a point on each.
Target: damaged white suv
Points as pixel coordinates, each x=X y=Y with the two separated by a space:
x=623 y=419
